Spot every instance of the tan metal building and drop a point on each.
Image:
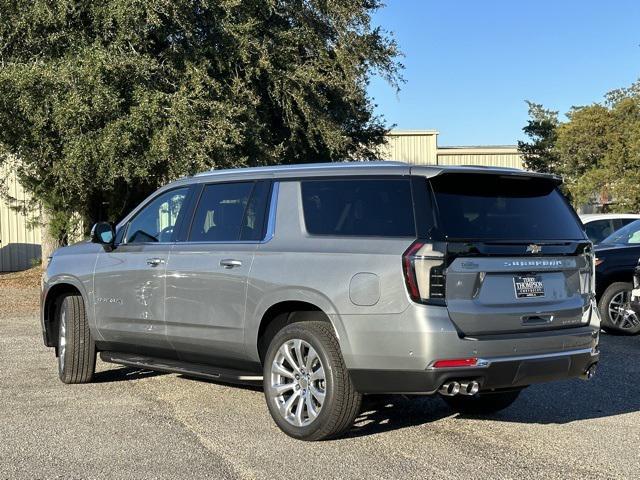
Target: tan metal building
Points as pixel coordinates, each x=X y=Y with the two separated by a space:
x=19 y=238
x=421 y=147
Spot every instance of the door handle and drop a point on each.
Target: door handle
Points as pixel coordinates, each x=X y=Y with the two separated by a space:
x=230 y=263
x=154 y=262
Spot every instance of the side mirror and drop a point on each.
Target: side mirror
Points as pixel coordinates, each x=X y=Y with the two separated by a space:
x=103 y=233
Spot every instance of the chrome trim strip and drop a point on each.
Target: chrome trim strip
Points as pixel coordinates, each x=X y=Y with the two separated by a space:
x=301 y=167
x=486 y=362
x=269 y=234
x=273 y=205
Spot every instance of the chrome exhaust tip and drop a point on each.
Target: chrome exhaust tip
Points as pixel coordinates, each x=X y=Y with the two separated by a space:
x=590 y=372
x=449 y=389
x=469 y=388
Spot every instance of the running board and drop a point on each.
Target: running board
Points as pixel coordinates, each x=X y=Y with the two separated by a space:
x=185 y=368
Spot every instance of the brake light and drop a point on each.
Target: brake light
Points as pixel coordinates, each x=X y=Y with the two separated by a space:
x=456 y=362
x=424 y=273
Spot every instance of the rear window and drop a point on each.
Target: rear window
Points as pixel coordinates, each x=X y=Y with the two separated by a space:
x=359 y=207
x=494 y=207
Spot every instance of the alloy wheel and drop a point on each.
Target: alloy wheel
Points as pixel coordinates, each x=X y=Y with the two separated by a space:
x=620 y=312
x=298 y=384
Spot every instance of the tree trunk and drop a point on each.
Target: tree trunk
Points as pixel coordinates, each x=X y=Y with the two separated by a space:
x=49 y=242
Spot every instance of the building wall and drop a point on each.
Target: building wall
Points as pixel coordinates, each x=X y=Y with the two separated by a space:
x=506 y=156
x=417 y=147
x=19 y=239
x=421 y=148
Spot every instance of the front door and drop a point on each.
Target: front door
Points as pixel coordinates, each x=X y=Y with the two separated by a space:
x=129 y=281
x=207 y=274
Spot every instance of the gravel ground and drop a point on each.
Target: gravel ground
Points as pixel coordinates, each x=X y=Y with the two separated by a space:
x=138 y=424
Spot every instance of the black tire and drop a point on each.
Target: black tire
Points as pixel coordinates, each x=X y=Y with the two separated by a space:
x=341 y=402
x=482 y=403
x=76 y=349
x=607 y=322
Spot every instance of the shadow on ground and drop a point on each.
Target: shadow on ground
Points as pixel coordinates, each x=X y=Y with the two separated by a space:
x=243 y=386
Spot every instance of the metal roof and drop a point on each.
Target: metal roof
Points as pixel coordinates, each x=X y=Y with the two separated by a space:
x=349 y=168
x=356 y=168
x=302 y=167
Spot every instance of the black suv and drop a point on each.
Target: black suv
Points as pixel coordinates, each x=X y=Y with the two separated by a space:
x=616 y=257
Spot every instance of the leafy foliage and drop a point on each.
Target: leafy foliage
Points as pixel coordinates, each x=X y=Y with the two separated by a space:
x=596 y=150
x=538 y=154
x=599 y=152
x=104 y=101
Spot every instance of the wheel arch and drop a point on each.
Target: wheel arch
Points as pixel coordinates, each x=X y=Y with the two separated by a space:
x=621 y=275
x=50 y=304
x=282 y=313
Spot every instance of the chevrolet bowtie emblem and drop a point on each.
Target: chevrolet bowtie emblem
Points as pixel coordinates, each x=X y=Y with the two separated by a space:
x=533 y=248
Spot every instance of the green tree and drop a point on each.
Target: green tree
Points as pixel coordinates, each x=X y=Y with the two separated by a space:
x=101 y=102
x=538 y=153
x=599 y=152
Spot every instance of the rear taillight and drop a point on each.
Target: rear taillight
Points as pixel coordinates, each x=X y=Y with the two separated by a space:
x=424 y=273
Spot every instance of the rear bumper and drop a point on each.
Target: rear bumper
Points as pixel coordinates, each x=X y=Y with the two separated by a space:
x=492 y=373
x=393 y=353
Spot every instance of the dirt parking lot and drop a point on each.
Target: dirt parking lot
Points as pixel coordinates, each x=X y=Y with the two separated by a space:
x=139 y=424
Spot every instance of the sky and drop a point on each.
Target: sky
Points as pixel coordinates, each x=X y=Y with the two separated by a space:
x=470 y=65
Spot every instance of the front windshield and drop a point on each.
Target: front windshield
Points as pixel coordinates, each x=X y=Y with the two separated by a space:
x=629 y=234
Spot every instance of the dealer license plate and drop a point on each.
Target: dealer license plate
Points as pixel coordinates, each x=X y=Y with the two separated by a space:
x=528 y=286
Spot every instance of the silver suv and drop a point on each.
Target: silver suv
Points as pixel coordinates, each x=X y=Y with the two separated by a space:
x=326 y=282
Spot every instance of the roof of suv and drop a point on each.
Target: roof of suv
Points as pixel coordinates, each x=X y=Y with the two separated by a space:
x=591 y=217
x=359 y=168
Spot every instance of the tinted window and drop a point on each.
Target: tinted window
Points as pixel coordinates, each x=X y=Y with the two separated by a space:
x=156 y=221
x=598 y=230
x=621 y=222
x=629 y=234
x=255 y=218
x=230 y=212
x=380 y=207
x=494 y=207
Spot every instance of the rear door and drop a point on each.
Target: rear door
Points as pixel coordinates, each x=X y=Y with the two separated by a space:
x=517 y=258
x=207 y=273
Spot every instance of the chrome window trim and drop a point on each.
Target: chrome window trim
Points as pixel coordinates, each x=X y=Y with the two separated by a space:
x=269 y=233
x=273 y=206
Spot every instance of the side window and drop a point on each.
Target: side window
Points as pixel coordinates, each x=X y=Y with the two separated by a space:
x=359 y=207
x=255 y=216
x=223 y=212
x=598 y=230
x=156 y=221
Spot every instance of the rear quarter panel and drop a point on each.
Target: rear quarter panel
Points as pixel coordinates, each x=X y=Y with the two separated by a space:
x=320 y=270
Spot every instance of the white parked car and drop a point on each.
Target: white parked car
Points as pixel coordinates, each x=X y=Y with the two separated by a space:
x=600 y=225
